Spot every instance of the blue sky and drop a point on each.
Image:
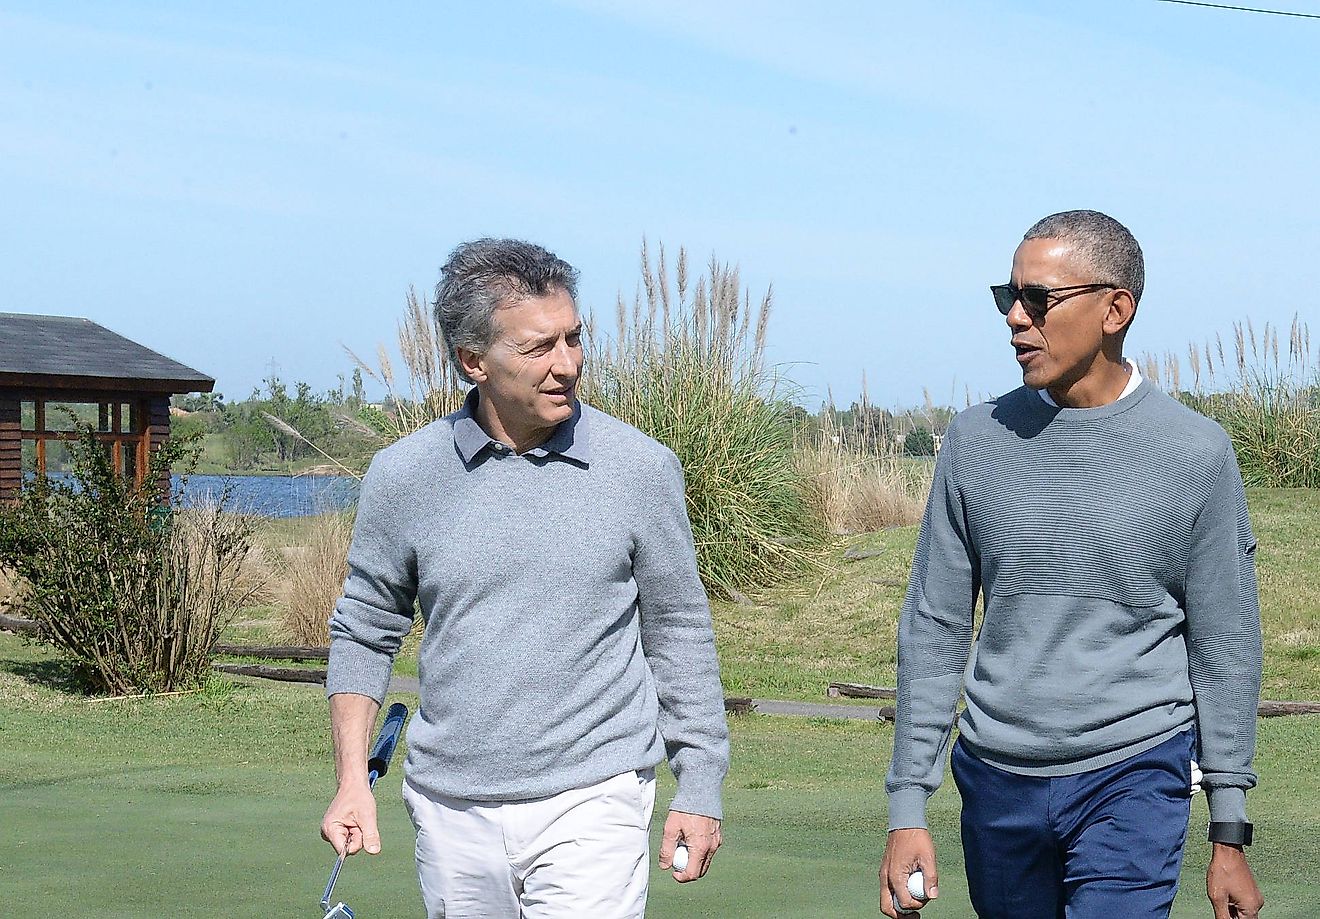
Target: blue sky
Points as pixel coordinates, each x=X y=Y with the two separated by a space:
x=236 y=184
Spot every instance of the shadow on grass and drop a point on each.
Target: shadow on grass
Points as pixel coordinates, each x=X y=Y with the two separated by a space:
x=74 y=778
x=54 y=673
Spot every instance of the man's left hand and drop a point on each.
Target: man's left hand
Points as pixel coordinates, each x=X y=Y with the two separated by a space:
x=1230 y=885
x=700 y=834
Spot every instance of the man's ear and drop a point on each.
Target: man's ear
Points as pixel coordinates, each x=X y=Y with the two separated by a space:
x=1122 y=309
x=472 y=364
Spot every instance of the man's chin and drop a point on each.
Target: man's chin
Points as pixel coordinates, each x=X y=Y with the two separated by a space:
x=559 y=412
x=1035 y=380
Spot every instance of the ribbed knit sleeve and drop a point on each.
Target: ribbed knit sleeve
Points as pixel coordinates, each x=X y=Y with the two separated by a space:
x=1224 y=642
x=934 y=642
x=679 y=644
x=376 y=610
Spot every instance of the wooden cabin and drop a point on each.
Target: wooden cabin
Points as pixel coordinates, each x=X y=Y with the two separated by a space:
x=60 y=373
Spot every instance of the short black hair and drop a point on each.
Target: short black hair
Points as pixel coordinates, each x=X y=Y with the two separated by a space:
x=1108 y=247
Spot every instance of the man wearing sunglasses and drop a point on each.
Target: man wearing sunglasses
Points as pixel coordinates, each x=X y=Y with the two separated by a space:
x=1105 y=526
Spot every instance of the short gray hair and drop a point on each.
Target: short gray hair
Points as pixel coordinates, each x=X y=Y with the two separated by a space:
x=1108 y=247
x=485 y=274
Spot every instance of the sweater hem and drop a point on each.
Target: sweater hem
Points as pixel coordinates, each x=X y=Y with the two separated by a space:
x=1021 y=766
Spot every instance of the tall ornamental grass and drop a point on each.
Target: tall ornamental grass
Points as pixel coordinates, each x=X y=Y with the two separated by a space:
x=686 y=365
x=429 y=387
x=1264 y=393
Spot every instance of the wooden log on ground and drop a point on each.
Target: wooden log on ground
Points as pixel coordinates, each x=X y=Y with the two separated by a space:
x=1270 y=709
x=279 y=652
x=861 y=691
x=738 y=705
x=17 y=624
x=267 y=672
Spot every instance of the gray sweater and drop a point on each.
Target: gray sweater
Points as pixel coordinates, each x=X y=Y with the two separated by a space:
x=1117 y=564
x=567 y=636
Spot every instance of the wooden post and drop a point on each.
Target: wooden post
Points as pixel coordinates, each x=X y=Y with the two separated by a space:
x=40 y=428
x=157 y=432
x=11 y=447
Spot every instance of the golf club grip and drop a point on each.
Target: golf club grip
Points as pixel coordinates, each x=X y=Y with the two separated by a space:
x=387 y=739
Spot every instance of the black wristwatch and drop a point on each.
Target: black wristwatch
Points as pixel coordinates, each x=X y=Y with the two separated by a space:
x=1233 y=834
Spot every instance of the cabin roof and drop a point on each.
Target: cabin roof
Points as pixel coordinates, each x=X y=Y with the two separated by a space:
x=68 y=352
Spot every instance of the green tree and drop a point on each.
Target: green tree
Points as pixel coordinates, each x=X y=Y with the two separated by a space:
x=919 y=442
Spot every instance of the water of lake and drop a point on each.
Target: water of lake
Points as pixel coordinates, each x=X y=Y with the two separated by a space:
x=270 y=495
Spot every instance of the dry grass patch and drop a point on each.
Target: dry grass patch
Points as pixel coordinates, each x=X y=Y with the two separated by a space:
x=858 y=480
x=8 y=590
x=857 y=492
x=314 y=579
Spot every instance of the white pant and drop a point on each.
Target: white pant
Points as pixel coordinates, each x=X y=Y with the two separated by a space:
x=580 y=853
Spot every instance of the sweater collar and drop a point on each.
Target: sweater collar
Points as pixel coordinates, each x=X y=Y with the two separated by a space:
x=1134 y=380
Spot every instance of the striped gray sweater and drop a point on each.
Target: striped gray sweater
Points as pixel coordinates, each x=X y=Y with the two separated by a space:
x=1117 y=565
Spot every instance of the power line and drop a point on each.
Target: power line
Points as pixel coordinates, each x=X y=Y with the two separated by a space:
x=1243 y=9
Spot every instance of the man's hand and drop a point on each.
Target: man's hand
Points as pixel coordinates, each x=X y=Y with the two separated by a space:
x=349 y=824
x=700 y=834
x=906 y=851
x=1230 y=885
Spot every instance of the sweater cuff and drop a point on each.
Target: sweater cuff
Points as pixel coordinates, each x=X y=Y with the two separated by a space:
x=907 y=808
x=699 y=794
x=1228 y=804
x=358 y=669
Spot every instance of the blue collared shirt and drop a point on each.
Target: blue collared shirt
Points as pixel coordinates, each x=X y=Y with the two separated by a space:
x=569 y=440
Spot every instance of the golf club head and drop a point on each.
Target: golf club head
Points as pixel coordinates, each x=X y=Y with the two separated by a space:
x=340 y=911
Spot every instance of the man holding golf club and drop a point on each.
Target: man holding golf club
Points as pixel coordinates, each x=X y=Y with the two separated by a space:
x=567 y=645
x=1105 y=526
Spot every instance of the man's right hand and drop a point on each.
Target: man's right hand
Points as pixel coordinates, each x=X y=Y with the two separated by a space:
x=349 y=824
x=906 y=851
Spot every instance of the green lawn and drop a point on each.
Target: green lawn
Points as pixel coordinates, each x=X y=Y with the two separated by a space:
x=208 y=804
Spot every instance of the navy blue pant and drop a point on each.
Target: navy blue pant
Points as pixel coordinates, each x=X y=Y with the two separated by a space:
x=1103 y=844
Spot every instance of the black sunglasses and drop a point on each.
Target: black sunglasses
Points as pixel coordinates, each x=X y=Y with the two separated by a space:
x=1038 y=300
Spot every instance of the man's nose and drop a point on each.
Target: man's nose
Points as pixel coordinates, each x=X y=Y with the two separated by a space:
x=1017 y=317
x=566 y=363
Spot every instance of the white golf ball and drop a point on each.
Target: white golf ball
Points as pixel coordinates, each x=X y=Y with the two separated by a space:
x=916 y=885
x=680 y=857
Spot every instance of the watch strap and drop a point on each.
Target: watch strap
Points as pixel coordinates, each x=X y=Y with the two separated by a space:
x=1233 y=834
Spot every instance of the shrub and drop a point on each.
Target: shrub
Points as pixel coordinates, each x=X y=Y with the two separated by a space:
x=133 y=594
x=687 y=368
x=919 y=442
x=8 y=590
